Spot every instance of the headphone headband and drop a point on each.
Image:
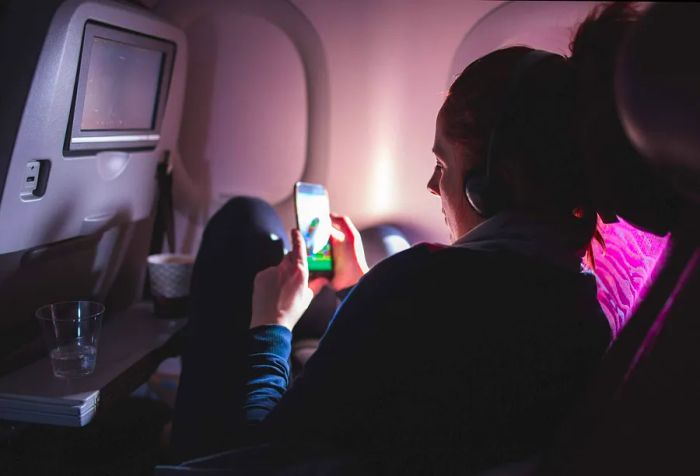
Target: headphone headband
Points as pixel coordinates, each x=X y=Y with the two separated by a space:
x=478 y=182
x=524 y=64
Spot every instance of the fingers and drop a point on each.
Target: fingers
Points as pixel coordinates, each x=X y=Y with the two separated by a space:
x=337 y=235
x=281 y=293
x=340 y=221
x=344 y=225
x=298 y=255
x=317 y=284
x=298 y=252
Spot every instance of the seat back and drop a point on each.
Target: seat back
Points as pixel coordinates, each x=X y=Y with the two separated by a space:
x=642 y=406
x=625 y=267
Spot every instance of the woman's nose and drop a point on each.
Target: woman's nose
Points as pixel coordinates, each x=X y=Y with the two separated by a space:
x=433 y=183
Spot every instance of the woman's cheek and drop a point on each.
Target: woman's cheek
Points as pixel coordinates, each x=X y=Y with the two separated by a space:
x=449 y=184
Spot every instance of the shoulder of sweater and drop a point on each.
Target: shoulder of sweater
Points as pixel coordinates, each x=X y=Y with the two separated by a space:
x=424 y=255
x=434 y=264
x=423 y=263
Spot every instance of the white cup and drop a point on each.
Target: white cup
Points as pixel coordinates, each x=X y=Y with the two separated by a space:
x=170 y=276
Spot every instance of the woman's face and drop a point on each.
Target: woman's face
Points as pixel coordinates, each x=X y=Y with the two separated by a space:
x=452 y=162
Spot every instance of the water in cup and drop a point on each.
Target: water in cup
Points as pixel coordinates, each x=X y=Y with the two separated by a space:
x=71 y=331
x=75 y=360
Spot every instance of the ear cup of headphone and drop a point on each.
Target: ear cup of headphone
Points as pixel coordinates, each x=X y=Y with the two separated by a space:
x=485 y=193
x=475 y=188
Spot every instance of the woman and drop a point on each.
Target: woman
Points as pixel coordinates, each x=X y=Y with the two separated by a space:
x=441 y=358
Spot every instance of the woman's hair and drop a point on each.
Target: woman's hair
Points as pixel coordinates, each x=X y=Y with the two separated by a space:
x=536 y=160
x=562 y=148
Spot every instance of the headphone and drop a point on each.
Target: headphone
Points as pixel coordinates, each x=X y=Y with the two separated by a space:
x=479 y=187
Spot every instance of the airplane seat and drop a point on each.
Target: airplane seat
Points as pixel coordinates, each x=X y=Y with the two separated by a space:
x=642 y=406
x=93 y=104
x=383 y=240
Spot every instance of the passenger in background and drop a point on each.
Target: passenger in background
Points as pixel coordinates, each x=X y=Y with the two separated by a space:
x=441 y=359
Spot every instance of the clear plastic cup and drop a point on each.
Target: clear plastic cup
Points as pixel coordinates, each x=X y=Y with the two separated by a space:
x=71 y=330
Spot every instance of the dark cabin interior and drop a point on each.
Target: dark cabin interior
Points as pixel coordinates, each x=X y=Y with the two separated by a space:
x=218 y=99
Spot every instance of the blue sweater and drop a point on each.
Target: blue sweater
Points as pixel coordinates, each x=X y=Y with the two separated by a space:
x=439 y=356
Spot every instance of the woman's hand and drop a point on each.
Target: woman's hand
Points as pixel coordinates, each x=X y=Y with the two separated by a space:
x=348 y=254
x=281 y=293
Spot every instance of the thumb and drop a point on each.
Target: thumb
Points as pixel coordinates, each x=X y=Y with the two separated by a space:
x=298 y=253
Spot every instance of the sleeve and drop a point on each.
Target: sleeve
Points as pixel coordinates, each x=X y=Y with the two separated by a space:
x=339 y=385
x=268 y=359
x=359 y=362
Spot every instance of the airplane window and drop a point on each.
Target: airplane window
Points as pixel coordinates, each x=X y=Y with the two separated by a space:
x=245 y=115
x=542 y=25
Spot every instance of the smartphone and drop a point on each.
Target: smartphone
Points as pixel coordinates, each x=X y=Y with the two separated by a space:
x=314 y=221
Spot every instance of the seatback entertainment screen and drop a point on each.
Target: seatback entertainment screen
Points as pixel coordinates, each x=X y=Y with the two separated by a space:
x=122 y=87
x=121 y=90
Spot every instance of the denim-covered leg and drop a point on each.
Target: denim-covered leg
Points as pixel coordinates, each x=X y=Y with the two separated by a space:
x=245 y=236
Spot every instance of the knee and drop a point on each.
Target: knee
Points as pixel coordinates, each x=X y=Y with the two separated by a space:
x=243 y=209
x=245 y=214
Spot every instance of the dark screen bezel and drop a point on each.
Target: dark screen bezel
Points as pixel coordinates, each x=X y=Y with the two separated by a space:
x=94 y=30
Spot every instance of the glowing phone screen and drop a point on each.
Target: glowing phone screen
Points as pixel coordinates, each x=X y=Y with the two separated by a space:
x=313 y=219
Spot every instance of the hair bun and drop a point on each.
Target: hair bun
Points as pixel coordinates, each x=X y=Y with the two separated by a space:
x=604 y=28
x=599 y=37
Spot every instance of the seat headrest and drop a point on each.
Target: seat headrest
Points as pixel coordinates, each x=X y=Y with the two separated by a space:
x=657 y=89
